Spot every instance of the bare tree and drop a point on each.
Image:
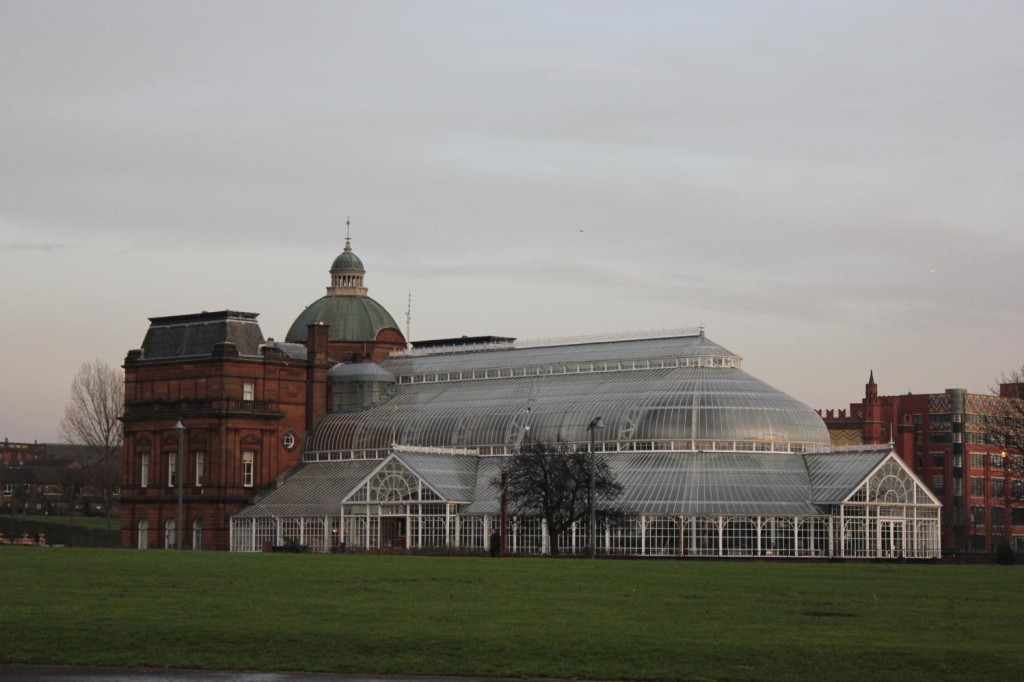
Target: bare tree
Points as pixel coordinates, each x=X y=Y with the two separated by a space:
x=92 y=417
x=553 y=482
x=1004 y=427
x=1004 y=424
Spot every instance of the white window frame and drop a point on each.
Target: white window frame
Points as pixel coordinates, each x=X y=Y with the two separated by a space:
x=249 y=391
x=248 y=468
x=172 y=468
x=200 y=457
x=170 y=534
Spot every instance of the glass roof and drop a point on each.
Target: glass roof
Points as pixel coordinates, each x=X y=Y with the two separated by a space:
x=656 y=483
x=648 y=393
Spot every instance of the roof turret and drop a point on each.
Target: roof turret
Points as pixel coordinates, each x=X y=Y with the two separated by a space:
x=347 y=307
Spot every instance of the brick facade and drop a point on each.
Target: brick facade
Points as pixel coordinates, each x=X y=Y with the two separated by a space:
x=246 y=404
x=941 y=436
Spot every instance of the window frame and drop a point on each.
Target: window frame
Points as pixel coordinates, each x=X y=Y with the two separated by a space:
x=172 y=469
x=248 y=468
x=199 y=459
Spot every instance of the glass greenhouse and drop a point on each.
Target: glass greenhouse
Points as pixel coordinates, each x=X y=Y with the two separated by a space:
x=713 y=462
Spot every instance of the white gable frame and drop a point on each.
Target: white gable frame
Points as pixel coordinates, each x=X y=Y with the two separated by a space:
x=394 y=507
x=891 y=514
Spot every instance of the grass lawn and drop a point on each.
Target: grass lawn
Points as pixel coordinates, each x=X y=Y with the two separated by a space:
x=655 y=620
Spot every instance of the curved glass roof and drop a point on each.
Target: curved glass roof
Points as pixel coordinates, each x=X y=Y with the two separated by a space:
x=679 y=393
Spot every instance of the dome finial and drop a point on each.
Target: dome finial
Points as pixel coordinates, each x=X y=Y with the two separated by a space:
x=348 y=233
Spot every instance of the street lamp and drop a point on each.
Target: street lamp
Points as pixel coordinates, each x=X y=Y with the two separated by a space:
x=592 y=540
x=1007 y=509
x=180 y=428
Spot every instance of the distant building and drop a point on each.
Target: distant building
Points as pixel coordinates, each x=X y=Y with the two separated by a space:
x=54 y=478
x=941 y=436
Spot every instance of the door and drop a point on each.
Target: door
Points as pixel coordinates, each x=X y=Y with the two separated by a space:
x=891 y=540
x=392 y=532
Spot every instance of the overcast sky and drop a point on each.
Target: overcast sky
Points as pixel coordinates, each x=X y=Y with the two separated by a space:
x=828 y=187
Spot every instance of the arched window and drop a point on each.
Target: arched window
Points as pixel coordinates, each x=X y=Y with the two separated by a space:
x=197 y=534
x=169 y=528
x=143 y=534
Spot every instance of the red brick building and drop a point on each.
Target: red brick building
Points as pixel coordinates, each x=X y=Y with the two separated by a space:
x=245 y=404
x=941 y=436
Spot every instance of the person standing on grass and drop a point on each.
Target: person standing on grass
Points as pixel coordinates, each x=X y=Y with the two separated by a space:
x=495 y=542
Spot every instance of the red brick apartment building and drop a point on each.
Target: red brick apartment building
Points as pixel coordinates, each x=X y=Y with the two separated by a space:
x=245 y=404
x=941 y=436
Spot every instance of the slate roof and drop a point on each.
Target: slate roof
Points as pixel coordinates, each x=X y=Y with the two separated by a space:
x=181 y=336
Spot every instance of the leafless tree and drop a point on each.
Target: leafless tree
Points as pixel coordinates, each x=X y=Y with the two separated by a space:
x=1004 y=425
x=553 y=482
x=92 y=417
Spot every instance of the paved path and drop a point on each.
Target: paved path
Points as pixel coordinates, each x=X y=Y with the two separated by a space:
x=60 y=673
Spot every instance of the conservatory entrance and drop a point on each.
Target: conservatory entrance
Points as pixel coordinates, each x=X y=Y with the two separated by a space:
x=392 y=532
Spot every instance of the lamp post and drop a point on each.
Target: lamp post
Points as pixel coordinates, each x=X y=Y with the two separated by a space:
x=180 y=428
x=1007 y=507
x=592 y=538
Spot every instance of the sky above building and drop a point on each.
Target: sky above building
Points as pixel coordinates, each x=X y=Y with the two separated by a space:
x=828 y=187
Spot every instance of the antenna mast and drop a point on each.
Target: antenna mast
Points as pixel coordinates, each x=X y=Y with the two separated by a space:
x=408 y=323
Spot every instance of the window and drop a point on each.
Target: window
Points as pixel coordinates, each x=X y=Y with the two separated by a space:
x=8 y=489
x=917 y=419
x=997 y=516
x=247 y=468
x=288 y=440
x=197 y=534
x=977 y=486
x=958 y=487
x=998 y=488
x=977 y=460
x=199 y=469
x=143 y=534
x=248 y=391
x=169 y=534
x=995 y=460
x=978 y=515
x=938 y=483
x=172 y=466
x=937 y=460
x=1017 y=515
x=144 y=472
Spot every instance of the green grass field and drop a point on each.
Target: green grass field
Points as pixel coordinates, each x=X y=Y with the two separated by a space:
x=653 y=620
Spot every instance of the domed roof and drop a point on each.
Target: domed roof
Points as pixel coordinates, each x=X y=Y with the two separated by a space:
x=347 y=261
x=679 y=393
x=351 y=314
x=351 y=318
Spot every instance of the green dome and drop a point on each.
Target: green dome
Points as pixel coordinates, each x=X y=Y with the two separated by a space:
x=347 y=262
x=351 y=318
